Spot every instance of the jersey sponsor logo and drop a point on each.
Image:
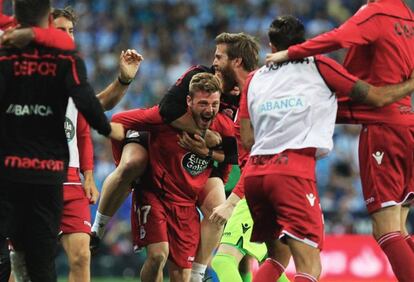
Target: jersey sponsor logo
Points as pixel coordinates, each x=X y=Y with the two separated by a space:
x=404 y=30
x=369 y=200
x=311 y=198
x=28 y=110
x=287 y=103
x=406 y=110
x=29 y=68
x=279 y=159
x=35 y=163
x=69 y=129
x=194 y=164
x=245 y=227
x=378 y=157
x=294 y=62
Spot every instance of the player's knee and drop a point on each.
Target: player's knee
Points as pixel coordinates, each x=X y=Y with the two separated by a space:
x=80 y=258
x=156 y=260
x=132 y=165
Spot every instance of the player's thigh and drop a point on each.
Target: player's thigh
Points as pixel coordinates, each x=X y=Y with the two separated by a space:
x=231 y=250
x=134 y=157
x=306 y=258
x=178 y=274
x=386 y=220
x=211 y=196
x=76 y=245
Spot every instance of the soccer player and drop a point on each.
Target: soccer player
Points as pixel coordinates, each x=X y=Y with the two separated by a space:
x=288 y=114
x=243 y=52
x=168 y=222
x=380 y=39
x=75 y=225
x=33 y=148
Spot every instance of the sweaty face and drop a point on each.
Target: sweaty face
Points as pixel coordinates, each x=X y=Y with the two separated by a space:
x=224 y=68
x=204 y=107
x=65 y=25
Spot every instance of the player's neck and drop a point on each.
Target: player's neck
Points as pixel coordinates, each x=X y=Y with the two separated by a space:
x=241 y=77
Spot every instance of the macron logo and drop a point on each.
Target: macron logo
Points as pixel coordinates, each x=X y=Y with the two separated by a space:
x=378 y=157
x=311 y=199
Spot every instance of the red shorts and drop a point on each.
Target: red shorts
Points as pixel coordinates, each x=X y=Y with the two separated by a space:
x=154 y=221
x=76 y=216
x=283 y=205
x=386 y=155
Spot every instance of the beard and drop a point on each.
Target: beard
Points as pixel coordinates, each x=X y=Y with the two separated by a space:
x=228 y=79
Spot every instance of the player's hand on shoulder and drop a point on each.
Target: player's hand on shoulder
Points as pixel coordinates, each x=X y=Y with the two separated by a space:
x=212 y=138
x=129 y=62
x=196 y=145
x=117 y=131
x=16 y=37
x=278 y=57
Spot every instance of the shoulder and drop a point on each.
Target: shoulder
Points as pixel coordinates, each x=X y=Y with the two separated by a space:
x=223 y=125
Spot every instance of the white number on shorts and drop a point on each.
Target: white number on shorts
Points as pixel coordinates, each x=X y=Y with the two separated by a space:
x=145 y=211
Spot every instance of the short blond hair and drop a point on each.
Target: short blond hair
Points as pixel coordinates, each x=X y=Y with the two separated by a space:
x=204 y=81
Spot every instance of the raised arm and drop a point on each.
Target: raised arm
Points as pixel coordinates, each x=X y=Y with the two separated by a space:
x=129 y=62
x=362 y=28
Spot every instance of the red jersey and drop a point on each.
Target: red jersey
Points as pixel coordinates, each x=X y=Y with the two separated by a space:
x=380 y=38
x=49 y=37
x=178 y=175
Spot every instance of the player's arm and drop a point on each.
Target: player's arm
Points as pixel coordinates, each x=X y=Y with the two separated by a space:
x=85 y=148
x=129 y=62
x=223 y=212
x=363 y=92
x=50 y=37
x=362 y=28
x=246 y=133
x=246 y=129
x=198 y=146
x=343 y=83
x=86 y=102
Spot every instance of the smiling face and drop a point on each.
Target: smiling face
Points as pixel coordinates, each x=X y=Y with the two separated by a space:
x=204 y=106
x=65 y=25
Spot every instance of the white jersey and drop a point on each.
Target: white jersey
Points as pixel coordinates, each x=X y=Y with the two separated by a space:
x=71 y=122
x=291 y=107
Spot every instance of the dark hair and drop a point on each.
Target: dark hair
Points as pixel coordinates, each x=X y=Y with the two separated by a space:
x=68 y=12
x=241 y=45
x=204 y=81
x=31 y=12
x=286 y=31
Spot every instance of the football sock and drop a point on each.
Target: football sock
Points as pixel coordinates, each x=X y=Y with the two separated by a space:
x=197 y=272
x=100 y=223
x=269 y=271
x=226 y=268
x=304 y=277
x=400 y=255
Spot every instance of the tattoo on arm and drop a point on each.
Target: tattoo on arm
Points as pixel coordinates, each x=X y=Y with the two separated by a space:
x=360 y=91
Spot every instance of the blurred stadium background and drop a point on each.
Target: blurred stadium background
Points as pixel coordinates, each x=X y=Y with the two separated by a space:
x=174 y=34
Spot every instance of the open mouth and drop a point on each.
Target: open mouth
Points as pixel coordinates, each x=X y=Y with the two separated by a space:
x=206 y=119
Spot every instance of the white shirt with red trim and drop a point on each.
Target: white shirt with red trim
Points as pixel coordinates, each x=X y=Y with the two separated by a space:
x=291 y=107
